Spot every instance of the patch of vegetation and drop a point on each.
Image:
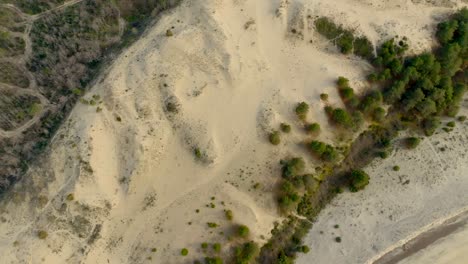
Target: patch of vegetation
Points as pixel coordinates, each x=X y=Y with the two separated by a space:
x=212 y=225
x=396 y=168
x=246 y=253
x=313 y=128
x=243 y=231
x=301 y=110
x=229 y=215
x=323 y=151
x=41 y=234
x=13 y=75
x=275 y=138
x=184 y=252
x=344 y=39
x=286 y=128
x=324 y=97
x=412 y=142
x=359 y=179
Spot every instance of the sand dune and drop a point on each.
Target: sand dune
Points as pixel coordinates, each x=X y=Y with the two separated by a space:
x=185 y=118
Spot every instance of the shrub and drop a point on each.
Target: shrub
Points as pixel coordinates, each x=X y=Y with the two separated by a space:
x=217 y=247
x=324 y=96
x=359 y=179
x=461 y=118
x=41 y=234
x=383 y=154
x=346 y=94
x=313 y=128
x=305 y=249
x=243 y=231
x=246 y=253
x=378 y=114
x=301 y=110
x=412 y=142
x=338 y=239
x=323 y=151
x=213 y=260
x=451 y=124
x=286 y=128
x=184 y=252
x=340 y=117
x=169 y=33
x=212 y=225
x=275 y=138
x=70 y=197
x=429 y=125
x=396 y=168
x=292 y=167
x=229 y=215
x=204 y=245
x=342 y=82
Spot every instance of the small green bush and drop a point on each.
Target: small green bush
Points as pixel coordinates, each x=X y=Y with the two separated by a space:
x=70 y=197
x=286 y=128
x=412 y=142
x=301 y=110
x=246 y=253
x=292 y=167
x=212 y=225
x=213 y=260
x=359 y=179
x=313 y=128
x=305 y=249
x=396 y=168
x=338 y=239
x=275 y=138
x=169 y=33
x=243 y=231
x=342 y=82
x=184 y=252
x=229 y=215
x=461 y=118
x=451 y=124
x=41 y=234
x=204 y=245
x=217 y=247
x=324 y=96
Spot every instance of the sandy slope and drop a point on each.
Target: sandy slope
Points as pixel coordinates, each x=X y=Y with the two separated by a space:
x=235 y=71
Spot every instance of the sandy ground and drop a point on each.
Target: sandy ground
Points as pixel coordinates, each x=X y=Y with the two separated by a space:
x=231 y=72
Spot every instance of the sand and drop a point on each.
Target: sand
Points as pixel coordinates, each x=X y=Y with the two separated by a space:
x=231 y=73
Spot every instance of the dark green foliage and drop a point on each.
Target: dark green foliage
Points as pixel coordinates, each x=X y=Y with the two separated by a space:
x=184 y=252
x=338 y=239
x=363 y=48
x=275 y=138
x=371 y=101
x=396 y=168
x=461 y=118
x=324 y=96
x=305 y=249
x=212 y=225
x=412 y=142
x=341 y=118
x=213 y=260
x=359 y=179
x=378 y=114
x=229 y=215
x=293 y=167
x=217 y=247
x=242 y=231
x=301 y=110
x=342 y=82
x=313 y=128
x=429 y=125
x=344 y=39
x=286 y=128
x=246 y=253
x=323 y=151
